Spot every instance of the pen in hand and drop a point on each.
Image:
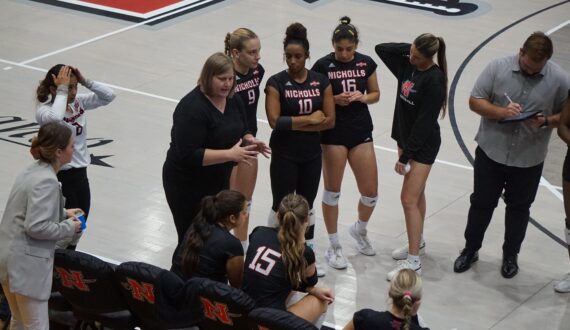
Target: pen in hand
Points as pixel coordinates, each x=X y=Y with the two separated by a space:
x=508 y=98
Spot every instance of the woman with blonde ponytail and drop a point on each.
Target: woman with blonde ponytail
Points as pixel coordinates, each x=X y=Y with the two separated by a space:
x=406 y=295
x=243 y=46
x=278 y=262
x=422 y=96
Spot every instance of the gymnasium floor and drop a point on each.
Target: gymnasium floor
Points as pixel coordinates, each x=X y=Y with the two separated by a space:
x=153 y=66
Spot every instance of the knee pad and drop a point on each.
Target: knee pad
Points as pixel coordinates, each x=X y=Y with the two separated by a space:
x=368 y=201
x=331 y=198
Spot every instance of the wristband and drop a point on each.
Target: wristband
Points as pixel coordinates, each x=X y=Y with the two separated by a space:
x=284 y=123
x=545 y=124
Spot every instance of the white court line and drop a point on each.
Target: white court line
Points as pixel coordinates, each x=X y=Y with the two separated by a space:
x=130 y=27
x=558 y=27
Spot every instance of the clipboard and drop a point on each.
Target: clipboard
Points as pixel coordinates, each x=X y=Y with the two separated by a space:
x=520 y=117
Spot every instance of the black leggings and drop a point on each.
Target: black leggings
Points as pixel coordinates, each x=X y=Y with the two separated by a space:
x=288 y=176
x=75 y=189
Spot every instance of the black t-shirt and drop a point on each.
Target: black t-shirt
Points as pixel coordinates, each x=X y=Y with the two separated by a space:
x=419 y=100
x=349 y=77
x=298 y=99
x=247 y=88
x=265 y=277
x=198 y=126
x=218 y=248
x=366 y=319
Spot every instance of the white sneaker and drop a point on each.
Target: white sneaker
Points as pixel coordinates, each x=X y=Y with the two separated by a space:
x=564 y=285
x=402 y=253
x=404 y=264
x=335 y=258
x=362 y=242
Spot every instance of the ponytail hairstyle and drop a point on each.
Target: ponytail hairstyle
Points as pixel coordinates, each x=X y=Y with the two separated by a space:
x=345 y=30
x=405 y=291
x=214 y=210
x=428 y=44
x=296 y=34
x=51 y=137
x=237 y=39
x=292 y=215
x=43 y=92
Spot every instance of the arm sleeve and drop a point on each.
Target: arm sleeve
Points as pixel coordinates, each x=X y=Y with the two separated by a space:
x=394 y=55
x=101 y=95
x=49 y=112
x=42 y=213
x=433 y=98
x=189 y=133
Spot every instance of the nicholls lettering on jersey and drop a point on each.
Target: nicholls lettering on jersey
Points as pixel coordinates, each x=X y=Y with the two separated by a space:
x=247 y=84
x=298 y=94
x=342 y=74
x=77 y=108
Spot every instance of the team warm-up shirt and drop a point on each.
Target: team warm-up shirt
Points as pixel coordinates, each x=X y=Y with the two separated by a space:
x=197 y=126
x=420 y=97
x=349 y=77
x=265 y=277
x=247 y=87
x=370 y=319
x=74 y=115
x=298 y=99
x=218 y=248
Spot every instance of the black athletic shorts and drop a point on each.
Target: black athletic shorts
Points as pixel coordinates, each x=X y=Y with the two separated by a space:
x=349 y=138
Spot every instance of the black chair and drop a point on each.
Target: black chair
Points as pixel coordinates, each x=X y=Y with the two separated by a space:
x=87 y=283
x=276 y=319
x=158 y=298
x=224 y=307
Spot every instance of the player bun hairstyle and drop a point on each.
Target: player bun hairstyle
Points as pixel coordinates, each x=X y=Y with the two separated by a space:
x=428 y=44
x=405 y=291
x=215 y=210
x=296 y=33
x=345 y=30
x=292 y=214
x=51 y=137
x=237 y=39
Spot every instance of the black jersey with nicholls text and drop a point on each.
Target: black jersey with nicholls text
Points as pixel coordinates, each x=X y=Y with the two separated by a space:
x=421 y=95
x=265 y=277
x=349 y=77
x=298 y=99
x=247 y=87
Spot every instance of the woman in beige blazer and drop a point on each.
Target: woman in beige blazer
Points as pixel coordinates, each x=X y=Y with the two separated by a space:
x=34 y=219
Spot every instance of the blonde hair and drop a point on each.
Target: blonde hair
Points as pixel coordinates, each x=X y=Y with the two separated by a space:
x=405 y=290
x=292 y=215
x=217 y=64
x=237 y=39
x=428 y=44
x=51 y=137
